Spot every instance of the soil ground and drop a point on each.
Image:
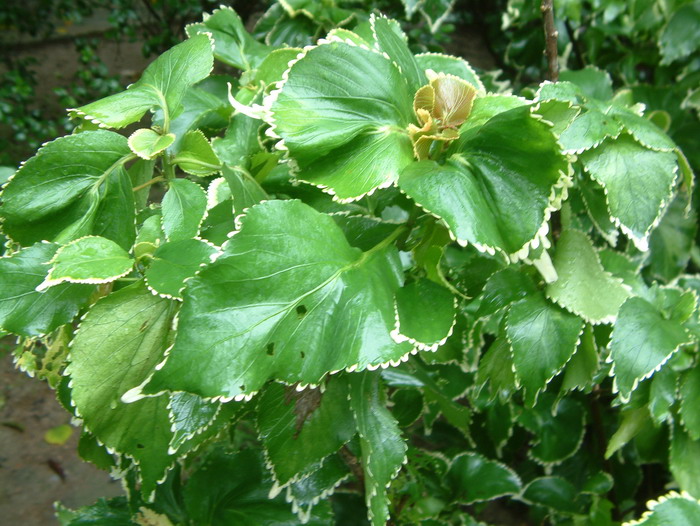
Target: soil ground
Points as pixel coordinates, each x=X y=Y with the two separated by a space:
x=33 y=473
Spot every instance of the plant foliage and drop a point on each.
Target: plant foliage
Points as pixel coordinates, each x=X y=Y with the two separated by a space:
x=354 y=278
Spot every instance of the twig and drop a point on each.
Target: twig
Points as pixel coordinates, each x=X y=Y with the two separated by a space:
x=147 y=183
x=574 y=43
x=550 y=36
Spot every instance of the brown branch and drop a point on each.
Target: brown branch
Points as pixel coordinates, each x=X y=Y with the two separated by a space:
x=550 y=36
x=354 y=464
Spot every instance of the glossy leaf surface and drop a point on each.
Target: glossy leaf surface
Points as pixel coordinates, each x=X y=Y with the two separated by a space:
x=117 y=345
x=27 y=312
x=289 y=299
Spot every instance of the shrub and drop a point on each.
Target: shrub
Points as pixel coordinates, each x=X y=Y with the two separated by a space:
x=369 y=284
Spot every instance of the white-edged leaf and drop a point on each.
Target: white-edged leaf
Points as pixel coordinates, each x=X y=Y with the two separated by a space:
x=383 y=447
x=90 y=259
x=584 y=287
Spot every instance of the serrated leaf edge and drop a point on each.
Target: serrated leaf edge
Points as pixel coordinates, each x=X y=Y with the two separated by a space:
x=217 y=252
x=518 y=382
x=78 y=420
x=651 y=505
x=264 y=112
x=278 y=486
x=76 y=112
x=187 y=436
x=50 y=282
x=499 y=464
x=399 y=337
x=135 y=150
x=635 y=383
x=556 y=462
x=374 y=491
x=609 y=275
x=642 y=243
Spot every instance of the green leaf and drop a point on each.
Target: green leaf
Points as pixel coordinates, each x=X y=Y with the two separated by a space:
x=383 y=447
x=271 y=70
x=633 y=421
x=496 y=367
x=363 y=232
x=90 y=450
x=684 y=461
x=690 y=402
x=391 y=40
x=25 y=311
x=6 y=172
x=150 y=236
x=585 y=362
x=594 y=82
x=407 y=406
x=58 y=435
x=564 y=91
x=88 y=260
x=672 y=508
x=593 y=196
x=379 y=157
x=643 y=129
x=306 y=493
x=552 y=492
x=543 y=337
x=175 y=262
x=112 y=512
x=219 y=223
x=672 y=241
x=558 y=431
x=202 y=107
x=119 y=342
x=139 y=173
x=239 y=143
x=455 y=413
x=232 y=43
x=681 y=35
x=184 y=209
x=147 y=143
x=456 y=66
x=55 y=194
x=245 y=191
x=289 y=299
x=435 y=12
x=499 y=425
x=190 y=415
x=561 y=114
x=299 y=430
x=425 y=314
x=503 y=288
x=584 y=287
x=588 y=131
x=662 y=394
x=162 y=85
x=231 y=488
x=411 y=6
x=361 y=102
x=496 y=193
x=642 y=340
x=638 y=183
x=115 y=216
x=474 y=478
x=196 y=156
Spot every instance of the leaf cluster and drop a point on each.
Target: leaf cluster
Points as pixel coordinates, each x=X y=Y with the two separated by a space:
x=352 y=278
